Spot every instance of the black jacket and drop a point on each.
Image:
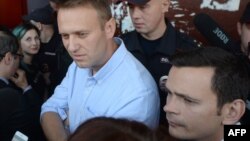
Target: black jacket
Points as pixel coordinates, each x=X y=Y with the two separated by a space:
x=34 y=78
x=19 y=112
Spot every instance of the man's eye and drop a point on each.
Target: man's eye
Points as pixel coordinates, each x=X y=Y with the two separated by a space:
x=65 y=36
x=82 y=35
x=144 y=6
x=188 y=100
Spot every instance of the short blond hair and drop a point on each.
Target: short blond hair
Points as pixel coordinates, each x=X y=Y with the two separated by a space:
x=101 y=6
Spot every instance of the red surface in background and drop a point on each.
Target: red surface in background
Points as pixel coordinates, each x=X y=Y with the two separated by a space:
x=226 y=19
x=11 y=12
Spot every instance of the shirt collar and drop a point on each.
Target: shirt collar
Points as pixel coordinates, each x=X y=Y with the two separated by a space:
x=4 y=80
x=115 y=60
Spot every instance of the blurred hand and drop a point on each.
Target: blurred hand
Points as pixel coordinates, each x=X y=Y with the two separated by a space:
x=20 y=79
x=46 y=77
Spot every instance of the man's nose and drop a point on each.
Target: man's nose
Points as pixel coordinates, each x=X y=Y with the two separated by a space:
x=72 y=44
x=171 y=105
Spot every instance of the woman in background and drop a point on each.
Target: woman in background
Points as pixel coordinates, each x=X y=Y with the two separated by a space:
x=29 y=41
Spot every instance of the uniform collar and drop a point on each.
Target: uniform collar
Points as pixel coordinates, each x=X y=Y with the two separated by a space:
x=167 y=45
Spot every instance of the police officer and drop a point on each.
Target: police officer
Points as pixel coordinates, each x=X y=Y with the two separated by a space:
x=154 y=40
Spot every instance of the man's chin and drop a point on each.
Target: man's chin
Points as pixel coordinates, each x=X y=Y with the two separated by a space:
x=140 y=30
x=176 y=134
x=80 y=65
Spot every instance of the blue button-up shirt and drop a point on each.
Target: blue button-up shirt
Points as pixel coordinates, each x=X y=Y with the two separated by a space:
x=122 y=88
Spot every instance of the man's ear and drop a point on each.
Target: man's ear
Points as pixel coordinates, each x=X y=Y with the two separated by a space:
x=8 y=58
x=232 y=112
x=37 y=24
x=110 y=27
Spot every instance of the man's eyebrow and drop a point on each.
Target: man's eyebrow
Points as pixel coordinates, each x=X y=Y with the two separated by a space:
x=75 y=31
x=182 y=95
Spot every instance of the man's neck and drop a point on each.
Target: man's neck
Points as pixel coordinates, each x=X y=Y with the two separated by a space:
x=158 y=32
x=47 y=34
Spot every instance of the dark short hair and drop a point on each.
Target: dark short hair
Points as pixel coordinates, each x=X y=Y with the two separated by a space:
x=245 y=17
x=231 y=79
x=20 y=30
x=101 y=6
x=107 y=129
x=8 y=43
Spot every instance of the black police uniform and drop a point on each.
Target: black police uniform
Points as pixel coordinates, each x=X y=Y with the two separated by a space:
x=54 y=58
x=157 y=61
x=19 y=112
x=34 y=78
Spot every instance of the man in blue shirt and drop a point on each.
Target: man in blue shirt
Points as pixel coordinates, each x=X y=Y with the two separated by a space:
x=104 y=79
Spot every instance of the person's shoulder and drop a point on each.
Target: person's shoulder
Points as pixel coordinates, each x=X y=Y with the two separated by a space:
x=128 y=35
x=9 y=95
x=186 y=41
x=8 y=90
